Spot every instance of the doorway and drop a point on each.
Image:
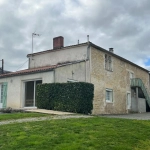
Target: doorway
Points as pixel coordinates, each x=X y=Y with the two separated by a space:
x=30 y=93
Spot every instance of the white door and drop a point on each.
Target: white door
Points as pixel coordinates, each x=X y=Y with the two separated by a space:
x=128 y=101
x=1 y=103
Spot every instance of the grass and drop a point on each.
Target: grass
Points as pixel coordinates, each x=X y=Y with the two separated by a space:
x=10 y=116
x=77 y=134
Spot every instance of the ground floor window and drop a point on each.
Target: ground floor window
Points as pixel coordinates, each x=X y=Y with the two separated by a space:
x=109 y=95
x=3 y=95
x=30 y=93
x=128 y=101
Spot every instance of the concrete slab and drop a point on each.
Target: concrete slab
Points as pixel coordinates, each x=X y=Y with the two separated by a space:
x=49 y=112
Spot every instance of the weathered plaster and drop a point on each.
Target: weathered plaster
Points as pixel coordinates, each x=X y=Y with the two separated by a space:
x=58 y=56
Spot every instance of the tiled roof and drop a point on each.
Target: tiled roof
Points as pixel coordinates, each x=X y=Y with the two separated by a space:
x=52 y=50
x=48 y=68
x=37 y=70
x=117 y=56
x=93 y=45
x=28 y=71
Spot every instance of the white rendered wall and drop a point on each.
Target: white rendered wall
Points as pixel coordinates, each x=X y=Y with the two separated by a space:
x=15 y=89
x=79 y=72
x=58 y=56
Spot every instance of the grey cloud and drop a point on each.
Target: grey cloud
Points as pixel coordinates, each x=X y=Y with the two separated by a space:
x=123 y=25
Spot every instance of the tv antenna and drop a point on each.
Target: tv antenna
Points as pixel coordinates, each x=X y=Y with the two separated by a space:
x=33 y=35
x=2 y=65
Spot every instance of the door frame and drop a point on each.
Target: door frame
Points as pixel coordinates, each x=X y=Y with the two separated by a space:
x=34 y=80
x=127 y=101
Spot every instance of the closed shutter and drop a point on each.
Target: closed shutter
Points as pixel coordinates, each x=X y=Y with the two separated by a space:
x=4 y=95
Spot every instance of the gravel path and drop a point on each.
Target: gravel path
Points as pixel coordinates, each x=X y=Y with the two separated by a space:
x=137 y=116
x=43 y=118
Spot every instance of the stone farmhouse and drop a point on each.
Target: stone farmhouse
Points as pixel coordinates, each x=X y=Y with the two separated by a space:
x=120 y=86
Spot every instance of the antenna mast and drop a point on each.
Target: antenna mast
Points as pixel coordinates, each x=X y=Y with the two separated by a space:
x=2 y=65
x=34 y=34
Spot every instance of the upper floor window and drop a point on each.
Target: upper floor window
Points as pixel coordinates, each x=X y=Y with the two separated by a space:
x=108 y=62
x=131 y=75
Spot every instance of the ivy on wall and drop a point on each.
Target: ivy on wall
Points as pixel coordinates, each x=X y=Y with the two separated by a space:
x=71 y=97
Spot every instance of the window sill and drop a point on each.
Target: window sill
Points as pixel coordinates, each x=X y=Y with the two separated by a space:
x=109 y=102
x=108 y=70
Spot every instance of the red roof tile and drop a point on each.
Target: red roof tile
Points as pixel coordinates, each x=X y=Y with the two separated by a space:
x=37 y=70
x=28 y=71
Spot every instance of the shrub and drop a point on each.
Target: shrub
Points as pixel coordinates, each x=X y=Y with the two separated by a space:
x=72 y=97
x=10 y=110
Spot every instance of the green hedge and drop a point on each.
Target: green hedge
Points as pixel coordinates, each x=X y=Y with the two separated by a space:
x=71 y=97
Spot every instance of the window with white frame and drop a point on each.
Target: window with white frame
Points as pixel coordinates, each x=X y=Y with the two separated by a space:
x=30 y=93
x=109 y=95
x=1 y=93
x=108 y=62
x=131 y=75
x=128 y=100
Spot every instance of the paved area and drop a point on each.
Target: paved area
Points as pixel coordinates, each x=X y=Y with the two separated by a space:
x=49 y=112
x=43 y=118
x=136 y=116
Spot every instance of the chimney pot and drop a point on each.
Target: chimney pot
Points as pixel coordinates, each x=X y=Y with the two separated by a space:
x=58 y=42
x=111 y=50
x=87 y=38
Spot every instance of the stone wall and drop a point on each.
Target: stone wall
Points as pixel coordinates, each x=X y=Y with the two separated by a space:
x=118 y=80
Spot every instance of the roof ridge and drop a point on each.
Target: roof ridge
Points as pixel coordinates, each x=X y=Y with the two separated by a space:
x=121 y=58
x=51 y=50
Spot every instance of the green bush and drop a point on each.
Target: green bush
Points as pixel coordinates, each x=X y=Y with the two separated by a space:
x=71 y=97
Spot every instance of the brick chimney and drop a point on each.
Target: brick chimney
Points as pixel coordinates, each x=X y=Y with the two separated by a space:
x=58 y=42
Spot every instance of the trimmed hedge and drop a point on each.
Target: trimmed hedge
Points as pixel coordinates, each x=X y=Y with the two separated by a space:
x=71 y=97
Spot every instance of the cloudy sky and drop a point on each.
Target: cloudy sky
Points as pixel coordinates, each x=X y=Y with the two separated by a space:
x=121 y=24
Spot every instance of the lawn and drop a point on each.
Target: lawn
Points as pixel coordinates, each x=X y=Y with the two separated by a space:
x=9 y=116
x=77 y=134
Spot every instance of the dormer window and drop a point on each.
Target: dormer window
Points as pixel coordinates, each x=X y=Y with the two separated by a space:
x=108 y=62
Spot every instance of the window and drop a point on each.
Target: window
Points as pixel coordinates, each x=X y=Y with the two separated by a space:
x=128 y=101
x=109 y=95
x=131 y=75
x=1 y=93
x=108 y=62
x=30 y=93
